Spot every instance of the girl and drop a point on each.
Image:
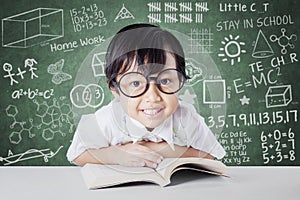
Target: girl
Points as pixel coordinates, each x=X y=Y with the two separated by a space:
x=145 y=69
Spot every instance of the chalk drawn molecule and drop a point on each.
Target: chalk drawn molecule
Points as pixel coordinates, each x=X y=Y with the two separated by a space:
x=284 y=41
x=54 y=119
x=19 y=126
x=55 y=116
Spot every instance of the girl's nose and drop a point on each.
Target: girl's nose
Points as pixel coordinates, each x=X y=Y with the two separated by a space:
x=153 y=93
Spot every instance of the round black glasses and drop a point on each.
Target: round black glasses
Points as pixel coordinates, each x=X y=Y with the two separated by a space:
x=135 y=84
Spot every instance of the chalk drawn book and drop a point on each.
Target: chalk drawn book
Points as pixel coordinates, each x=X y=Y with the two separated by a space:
x=100 y=176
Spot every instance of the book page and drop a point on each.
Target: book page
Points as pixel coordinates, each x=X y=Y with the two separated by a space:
x=169 y=165
x=117 y=170
x=97 y=176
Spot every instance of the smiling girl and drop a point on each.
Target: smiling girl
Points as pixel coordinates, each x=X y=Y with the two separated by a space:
x=145 y=123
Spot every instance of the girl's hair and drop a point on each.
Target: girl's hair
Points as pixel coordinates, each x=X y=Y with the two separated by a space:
x=145 y=45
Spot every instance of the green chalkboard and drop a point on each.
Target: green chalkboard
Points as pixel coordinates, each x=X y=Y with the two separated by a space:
x=242 y=57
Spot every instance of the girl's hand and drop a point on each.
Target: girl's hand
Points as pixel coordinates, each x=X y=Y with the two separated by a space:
x=179 y=151
x=136 y=155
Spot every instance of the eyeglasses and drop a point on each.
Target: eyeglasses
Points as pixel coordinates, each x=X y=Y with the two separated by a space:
x=135 y=84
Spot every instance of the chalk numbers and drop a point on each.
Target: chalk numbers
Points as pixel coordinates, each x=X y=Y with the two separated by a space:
x=278 y=146
x=253 y=119
x=217 y=122
x=87 y=17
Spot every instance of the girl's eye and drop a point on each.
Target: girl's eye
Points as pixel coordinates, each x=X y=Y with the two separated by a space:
x=165 y=81
x=136 y=84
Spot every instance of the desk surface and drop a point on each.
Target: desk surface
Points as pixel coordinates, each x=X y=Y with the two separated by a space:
x=253 y=183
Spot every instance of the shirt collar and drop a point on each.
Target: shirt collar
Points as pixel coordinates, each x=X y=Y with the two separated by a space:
x=137 y=131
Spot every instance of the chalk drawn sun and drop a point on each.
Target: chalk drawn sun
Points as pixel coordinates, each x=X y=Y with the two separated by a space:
x=232 y=49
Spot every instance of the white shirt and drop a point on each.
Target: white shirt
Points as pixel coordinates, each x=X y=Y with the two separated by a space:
x=110 y=125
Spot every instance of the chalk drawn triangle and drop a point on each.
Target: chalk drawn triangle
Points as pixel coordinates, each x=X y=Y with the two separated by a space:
x=124 y=14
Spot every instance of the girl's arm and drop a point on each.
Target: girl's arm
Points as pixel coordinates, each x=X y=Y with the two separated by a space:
x=165 y=150
x=148 y=154
x=130 y=154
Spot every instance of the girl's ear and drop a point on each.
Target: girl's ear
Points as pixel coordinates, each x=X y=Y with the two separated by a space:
x=115 y=93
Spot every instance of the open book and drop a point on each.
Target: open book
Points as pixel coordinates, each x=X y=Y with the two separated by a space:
x=99 y=176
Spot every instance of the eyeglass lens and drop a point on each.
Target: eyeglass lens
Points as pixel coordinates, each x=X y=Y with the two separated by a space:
x=134 y=84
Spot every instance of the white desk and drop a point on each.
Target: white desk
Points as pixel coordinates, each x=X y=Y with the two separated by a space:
x=57 y=183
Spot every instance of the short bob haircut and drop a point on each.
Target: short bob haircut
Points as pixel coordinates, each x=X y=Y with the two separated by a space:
x=145 y=44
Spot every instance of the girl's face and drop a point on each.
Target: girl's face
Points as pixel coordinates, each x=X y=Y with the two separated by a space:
x=153 y=107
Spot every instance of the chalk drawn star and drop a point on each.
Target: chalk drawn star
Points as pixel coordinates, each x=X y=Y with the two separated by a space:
x=188 y=97
x=245 y=100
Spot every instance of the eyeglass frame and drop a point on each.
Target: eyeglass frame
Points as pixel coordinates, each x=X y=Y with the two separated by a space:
x=148 y=79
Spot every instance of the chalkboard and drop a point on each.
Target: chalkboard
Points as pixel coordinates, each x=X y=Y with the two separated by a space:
x=242 y=57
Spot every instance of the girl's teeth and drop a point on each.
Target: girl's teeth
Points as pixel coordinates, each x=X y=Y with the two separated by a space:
x=151 y=112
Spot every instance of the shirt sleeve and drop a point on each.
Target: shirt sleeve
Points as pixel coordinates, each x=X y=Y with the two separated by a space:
x=89 y=135
x=199 y=136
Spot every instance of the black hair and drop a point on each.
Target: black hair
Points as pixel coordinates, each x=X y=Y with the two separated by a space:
x=145 y=44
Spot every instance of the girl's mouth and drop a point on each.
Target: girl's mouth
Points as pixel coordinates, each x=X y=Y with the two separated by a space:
x=152 y=112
